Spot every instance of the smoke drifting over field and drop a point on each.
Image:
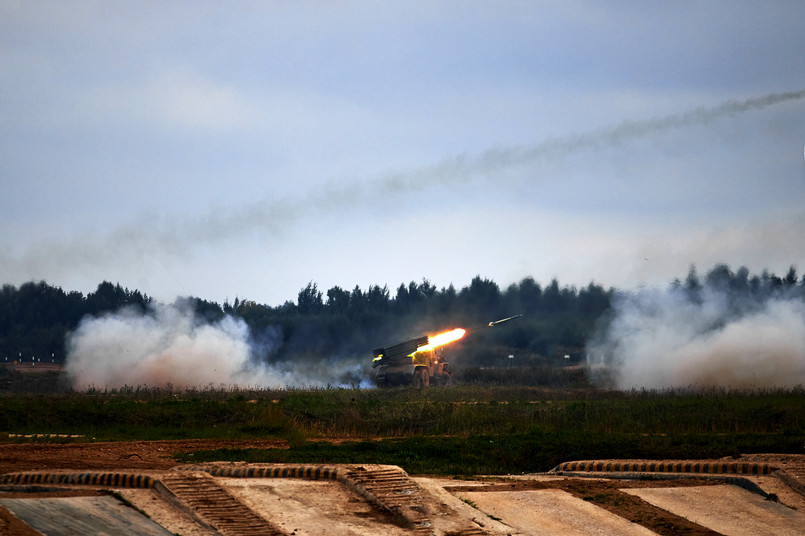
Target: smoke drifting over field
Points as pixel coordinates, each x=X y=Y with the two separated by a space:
x=170 y=346
x=707 y=337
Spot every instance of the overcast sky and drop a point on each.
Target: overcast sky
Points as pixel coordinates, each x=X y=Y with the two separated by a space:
x=223 y=149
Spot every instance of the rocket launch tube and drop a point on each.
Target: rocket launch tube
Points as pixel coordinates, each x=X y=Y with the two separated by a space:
x=398 y=351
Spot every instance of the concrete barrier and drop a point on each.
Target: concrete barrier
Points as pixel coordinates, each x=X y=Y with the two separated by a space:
x=118 y=480
x=713 y=468
x=311 y=472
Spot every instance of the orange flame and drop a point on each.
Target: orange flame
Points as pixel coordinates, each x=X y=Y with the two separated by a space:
x=441 y=339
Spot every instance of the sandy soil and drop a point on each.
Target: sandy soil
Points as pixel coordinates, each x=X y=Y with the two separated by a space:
x=603 y=494
x=552 y=511
x=315 y=508
x=714 y=507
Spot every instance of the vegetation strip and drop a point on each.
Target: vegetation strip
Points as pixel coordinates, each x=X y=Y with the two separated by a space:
x=497 y=429
x=503 y=454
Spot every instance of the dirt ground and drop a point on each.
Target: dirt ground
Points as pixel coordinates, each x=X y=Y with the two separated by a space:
x=484 y=499
x=121 y=455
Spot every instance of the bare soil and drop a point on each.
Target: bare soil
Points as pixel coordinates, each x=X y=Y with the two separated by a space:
x=119 y=456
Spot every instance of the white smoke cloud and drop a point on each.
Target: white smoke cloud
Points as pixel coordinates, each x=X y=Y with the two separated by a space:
x=663 y=339
x=170 y=346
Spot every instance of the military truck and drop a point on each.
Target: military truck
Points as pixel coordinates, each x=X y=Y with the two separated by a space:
x=411 y=362
x=420 y=361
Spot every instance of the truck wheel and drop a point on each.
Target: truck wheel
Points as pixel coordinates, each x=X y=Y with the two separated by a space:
x=421 y=378
x=446 y=379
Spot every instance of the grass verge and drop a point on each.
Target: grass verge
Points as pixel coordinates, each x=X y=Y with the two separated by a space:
x=462 y=430
x=500 y=455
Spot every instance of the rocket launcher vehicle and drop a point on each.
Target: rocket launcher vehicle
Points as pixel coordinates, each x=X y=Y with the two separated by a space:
x=402 y=352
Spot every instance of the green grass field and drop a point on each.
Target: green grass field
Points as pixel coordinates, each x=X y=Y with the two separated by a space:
x=459 y=430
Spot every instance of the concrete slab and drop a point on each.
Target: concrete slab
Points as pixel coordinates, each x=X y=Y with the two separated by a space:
x=552 y=511
x=82 y=516
x=726 y=509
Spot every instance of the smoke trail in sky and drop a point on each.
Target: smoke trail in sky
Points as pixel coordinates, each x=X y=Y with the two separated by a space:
x=170 y=346
x=461 y=169
x=165 y=238
x=495 y=160
x=667 y=339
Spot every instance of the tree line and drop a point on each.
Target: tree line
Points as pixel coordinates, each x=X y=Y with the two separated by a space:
x=36 y=318
x=556 y=319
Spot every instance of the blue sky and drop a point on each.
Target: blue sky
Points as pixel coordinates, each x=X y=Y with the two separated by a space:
x=224 y=149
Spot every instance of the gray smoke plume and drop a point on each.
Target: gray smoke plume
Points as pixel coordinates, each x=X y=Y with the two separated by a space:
x=164 y=238
x=170 y=346
x=496 y=160
x=271 y=217
x=665 y=339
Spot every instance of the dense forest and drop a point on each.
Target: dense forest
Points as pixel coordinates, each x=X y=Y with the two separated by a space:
x=36 y=318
